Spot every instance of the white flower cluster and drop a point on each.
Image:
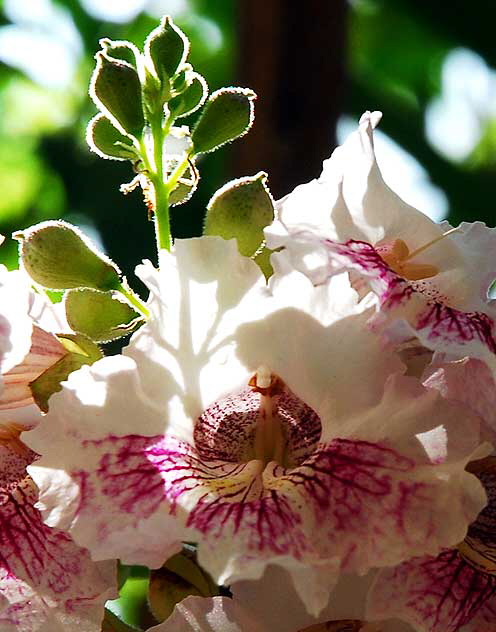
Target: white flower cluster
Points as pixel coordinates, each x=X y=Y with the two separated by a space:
x=325 y=437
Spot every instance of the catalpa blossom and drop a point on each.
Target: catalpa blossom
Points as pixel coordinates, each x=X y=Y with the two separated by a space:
x=268 y=424
x=46 y=582
x=454 y=589
x=431 y=280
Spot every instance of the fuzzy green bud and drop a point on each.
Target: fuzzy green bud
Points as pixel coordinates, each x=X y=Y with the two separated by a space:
x=58 y=256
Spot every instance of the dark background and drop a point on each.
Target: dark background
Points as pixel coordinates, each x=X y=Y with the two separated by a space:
x=312 y=64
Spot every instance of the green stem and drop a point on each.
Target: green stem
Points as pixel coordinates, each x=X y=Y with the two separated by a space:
x=162 y=220
x=136 y=302
x=177 y=173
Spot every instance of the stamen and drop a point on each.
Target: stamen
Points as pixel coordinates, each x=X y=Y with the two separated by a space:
x=431 y=243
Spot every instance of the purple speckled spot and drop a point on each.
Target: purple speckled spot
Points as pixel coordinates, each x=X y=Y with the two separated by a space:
x=226 y=430
x=439 y=593
x=435 y=321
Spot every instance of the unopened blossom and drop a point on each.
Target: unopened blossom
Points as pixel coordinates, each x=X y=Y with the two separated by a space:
x=47 y=583
x=454 y=589
x=431 y=280
x=268 y=424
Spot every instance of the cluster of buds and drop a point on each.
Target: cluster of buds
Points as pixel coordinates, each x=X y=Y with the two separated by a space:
x=298 y=435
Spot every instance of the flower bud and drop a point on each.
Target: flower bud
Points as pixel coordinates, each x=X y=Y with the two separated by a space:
x=192 y=98
x=167 y=47
x=116 y=90
x=106 y=141
x=241 y=209
x=121 y=50
x=57 y=256
x=227 y=115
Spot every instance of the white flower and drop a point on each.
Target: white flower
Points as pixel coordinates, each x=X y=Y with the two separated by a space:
x=47 y=583
x=453 y=589
x=431 y=281
x=268 y=424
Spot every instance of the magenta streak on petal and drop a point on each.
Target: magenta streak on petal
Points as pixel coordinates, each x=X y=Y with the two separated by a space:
x=35 y=557
x=345 y=493
x=30 y=550
x=448 y=323
x=436 y=321
x=440 y=594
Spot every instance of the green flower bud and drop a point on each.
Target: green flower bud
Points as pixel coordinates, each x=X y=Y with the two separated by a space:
x=106 y=141
x=167 y=47
x=58 y=256
x=241 y=209
x=227 y=115
x=101 y=316
x=192 y=98
x=116 y=90
x=121 y=50
x=182 y=78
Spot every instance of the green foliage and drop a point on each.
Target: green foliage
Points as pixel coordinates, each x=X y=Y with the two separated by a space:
x=241 y=209
x=227 y=115
x=58 y=256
